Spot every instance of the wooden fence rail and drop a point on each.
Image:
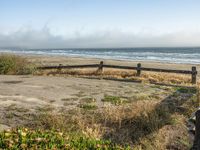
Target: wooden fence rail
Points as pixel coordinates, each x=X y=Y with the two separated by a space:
x=69 y=67
x=138 y=68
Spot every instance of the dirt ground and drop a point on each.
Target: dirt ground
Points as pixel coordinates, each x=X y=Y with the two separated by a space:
x=24 y=95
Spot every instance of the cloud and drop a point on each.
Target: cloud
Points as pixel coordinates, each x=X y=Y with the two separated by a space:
x=30 y=38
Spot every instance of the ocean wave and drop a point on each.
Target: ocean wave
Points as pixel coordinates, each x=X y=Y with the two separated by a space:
x=176 y=55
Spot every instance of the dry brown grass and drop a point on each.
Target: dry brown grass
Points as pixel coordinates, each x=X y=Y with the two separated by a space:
x=166 y=78
x=156 y=124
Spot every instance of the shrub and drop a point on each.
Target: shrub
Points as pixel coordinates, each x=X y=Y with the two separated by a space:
x=114 y=100
x=23 y=138
x=88 y=106
x=11 y=64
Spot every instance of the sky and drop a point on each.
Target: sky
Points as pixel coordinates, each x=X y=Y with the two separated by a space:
x=99 y=23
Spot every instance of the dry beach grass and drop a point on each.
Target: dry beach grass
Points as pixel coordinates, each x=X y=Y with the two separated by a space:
x=12 y=64
x=151 y=77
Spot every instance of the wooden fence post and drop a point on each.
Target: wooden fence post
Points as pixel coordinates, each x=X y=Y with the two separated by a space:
x=194 y=75
x=196 y=144
x=100 y=69
x=138 y=69
x=101 y=66
x=59 y=68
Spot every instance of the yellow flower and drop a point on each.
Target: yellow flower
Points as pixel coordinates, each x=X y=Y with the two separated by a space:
x=67 y=145
x=23 y=133
x=67 y=138
x=7 y=134
x=60 y=133
x=98 y=145
x=23 y=146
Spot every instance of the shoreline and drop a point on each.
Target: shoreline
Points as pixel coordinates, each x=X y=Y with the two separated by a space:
x=101 y=59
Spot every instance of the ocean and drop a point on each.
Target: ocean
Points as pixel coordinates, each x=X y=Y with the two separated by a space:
x=168 y=55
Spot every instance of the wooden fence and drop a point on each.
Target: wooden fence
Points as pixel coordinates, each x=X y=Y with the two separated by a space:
x=138 y=68
x=196 y=144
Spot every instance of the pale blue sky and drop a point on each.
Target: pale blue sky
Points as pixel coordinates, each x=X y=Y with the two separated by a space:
x=99 y=23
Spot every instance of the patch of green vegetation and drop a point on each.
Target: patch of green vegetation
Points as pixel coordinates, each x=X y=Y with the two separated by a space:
x=11 y=64
x=23 y=138
x=114 y=100
x=187 y=90
x=88 y=106
x=69 y=99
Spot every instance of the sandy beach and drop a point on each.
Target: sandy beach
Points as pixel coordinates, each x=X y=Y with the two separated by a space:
x=56 y=60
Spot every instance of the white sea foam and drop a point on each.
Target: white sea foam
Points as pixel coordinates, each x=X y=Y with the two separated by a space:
x=171 y=55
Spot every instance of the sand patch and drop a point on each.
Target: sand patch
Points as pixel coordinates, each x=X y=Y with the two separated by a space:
x=21 y=100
